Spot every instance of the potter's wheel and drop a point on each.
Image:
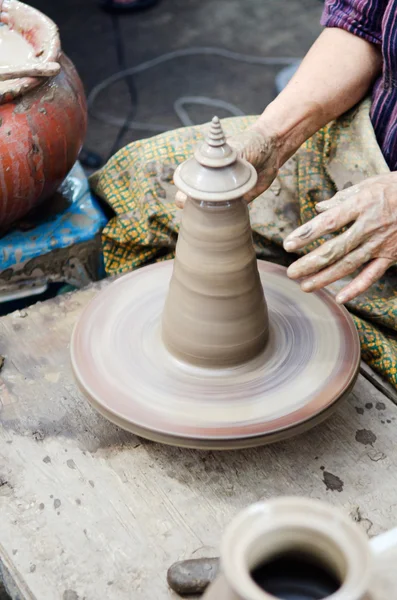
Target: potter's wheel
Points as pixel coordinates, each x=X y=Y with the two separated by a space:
x=311 y=361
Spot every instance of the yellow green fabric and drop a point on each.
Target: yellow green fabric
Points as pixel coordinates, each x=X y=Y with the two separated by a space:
x=137 y=183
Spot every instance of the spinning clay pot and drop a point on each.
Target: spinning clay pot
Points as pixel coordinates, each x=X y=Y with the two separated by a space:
x=215 y=314
x=42 y=119
x=293 y=549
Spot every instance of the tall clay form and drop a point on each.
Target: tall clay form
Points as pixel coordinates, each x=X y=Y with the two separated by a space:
x=215 y=313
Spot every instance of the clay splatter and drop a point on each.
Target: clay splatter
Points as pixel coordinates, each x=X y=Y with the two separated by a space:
x=369 y=405
x=366 y=437
x=332 y=482
x=46 y=459
x=380 y=406
x=57 y=503
x=359 y=410
x=376 y=456
x=71 y=464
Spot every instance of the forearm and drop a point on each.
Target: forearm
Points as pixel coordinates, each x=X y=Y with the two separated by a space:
x=336 y=73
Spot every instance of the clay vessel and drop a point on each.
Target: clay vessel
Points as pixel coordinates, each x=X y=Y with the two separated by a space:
x=42 y=120
x=215 y=314
x=266 y=532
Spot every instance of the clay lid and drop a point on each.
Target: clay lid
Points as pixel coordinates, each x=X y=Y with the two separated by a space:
x=215 y=173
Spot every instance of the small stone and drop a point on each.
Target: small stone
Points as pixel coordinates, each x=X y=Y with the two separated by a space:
x=70 y=595
x=191 y=577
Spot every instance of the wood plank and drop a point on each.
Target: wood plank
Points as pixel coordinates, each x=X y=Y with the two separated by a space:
x=89 y=511
x=379 y=382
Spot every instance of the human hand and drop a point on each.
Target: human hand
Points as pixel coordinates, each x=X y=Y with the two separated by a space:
x=261 y=151
x=371 y=208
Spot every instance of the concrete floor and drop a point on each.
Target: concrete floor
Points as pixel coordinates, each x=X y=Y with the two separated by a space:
x=257 y=27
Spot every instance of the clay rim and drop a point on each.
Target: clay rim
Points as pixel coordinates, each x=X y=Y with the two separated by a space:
x=215 y=444
x=295 y=513
x=234 y=194
x=47 y=43
x=315 y=407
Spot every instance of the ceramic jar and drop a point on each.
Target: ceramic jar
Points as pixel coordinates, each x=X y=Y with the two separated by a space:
x=292 y=527
x=42 y=120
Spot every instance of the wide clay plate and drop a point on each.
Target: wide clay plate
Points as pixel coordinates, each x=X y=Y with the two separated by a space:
x=311 y=361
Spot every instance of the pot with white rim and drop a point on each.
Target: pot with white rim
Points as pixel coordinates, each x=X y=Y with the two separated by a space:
x=293 y=549
x=43 y=118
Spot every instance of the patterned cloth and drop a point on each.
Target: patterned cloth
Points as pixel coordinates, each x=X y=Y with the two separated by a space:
x=137 y=183
x=376 y=22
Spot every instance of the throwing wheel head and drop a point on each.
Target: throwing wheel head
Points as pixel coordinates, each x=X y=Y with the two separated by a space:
x=310 y=362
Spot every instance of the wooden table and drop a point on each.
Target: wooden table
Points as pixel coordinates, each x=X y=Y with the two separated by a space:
x=90 y=512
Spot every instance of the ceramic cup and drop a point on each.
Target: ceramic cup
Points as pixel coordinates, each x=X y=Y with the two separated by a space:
x=295 y=549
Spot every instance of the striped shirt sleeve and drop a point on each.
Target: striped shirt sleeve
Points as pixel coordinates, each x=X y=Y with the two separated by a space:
x=360 y=17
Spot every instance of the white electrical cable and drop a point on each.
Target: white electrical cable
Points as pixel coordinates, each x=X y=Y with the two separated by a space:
x=185 y=100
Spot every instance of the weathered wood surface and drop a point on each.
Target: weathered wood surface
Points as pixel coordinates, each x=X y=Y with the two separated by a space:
x=89 y=511
x=377 y=381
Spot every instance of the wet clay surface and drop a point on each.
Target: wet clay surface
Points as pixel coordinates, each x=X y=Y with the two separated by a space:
x=15 y=52
x=215 y=314
x=14 y=49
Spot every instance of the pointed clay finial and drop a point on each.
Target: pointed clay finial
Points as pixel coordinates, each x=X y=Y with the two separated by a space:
x=215 y=173
x=216 y=137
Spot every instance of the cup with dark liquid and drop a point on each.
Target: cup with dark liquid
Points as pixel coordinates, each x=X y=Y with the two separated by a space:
x=293 y=549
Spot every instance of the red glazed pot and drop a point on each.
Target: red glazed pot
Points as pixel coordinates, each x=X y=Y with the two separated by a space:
x=42 y=121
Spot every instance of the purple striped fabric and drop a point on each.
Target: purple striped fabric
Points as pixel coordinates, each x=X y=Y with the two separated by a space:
x=375 y=21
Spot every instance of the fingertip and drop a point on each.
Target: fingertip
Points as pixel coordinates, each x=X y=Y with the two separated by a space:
x=290 y=245
x=291 y=272
x=180 y=199
x=307 y=286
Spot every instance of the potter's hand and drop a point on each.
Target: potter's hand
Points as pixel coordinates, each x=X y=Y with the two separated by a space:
x=371 y=209
x=260 y=151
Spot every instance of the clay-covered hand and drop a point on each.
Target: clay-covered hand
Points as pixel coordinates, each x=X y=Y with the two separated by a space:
x=258 y=149
x=370 y=208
